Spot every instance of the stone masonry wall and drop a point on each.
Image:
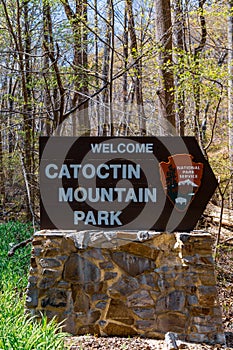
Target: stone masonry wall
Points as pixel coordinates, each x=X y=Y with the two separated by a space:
x=104 y=283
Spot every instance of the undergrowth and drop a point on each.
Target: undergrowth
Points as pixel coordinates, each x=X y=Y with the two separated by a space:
x=18 y=331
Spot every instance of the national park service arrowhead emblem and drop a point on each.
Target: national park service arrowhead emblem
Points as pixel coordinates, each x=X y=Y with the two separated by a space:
x=181 y=179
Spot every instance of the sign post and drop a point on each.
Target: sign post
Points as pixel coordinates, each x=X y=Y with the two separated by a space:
x=133 y=183
x=109 y=259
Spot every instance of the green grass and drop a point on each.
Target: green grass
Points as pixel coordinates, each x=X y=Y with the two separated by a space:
x=14 y=270
x=18 y=331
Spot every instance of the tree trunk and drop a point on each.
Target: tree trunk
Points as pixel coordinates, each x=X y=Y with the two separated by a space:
x=166 y=80
x=196 y=87
x=51 y=111
x=30 y=139
x=97 y=82
x=230 y=94
x=124 y=124
x=137 y=69
x=178 y=38
x=78 y=21
x=112 y=26
x=106 y=127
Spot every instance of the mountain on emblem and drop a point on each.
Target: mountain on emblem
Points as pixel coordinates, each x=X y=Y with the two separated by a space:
x=181 y=179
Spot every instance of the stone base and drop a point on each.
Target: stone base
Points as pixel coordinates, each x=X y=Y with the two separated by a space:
x=121 y=283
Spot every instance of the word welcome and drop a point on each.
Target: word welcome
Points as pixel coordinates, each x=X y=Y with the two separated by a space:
x=122 y=148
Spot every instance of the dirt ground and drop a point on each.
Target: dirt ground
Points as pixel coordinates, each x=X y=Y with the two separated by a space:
x=113 y=343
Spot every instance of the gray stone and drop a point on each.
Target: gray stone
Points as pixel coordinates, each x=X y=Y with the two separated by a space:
x=51 y=252
x=198 y=338
x=55 y=298
x=32 y=298
x=210 y=290
x=205 y=328
x=100 y=296
x=32 y=282
x=110 y=275
x=101 y=305
x=37 y=252
x=101 y=237
x=201 y=319
x=106 y=265
x=81 y=300
x=89 y=317
x=145 y=324
x=162 y=269
x=46 y=282
x=163 y=284
x=192 y=300
x=132 y=264
x=125 y=285
x=80 y=270
x=63 y=285
x=174 y=301
x=171 y=341
x=190 y=259
x=147 y=280
x=33 y=271
x=62 y=258
x=220 y=338
x=186 y=279
x=207 y=295
x=93 y=316
x=184 y=237
x=172 y=322
x=95 y=253
x=51 y=273
x=80 y=239
x=217 y=311
x=94 y=238
x=144 y=313
x=92 y=288
x=49 y=262
x=140 y=299
x=170 y=277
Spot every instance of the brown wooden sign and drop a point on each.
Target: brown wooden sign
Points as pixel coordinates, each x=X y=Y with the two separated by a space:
x=128 y=183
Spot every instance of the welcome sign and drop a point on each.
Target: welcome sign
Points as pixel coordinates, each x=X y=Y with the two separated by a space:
x=136 y=183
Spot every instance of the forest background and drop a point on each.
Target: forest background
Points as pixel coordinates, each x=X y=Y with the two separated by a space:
x=107 y=67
